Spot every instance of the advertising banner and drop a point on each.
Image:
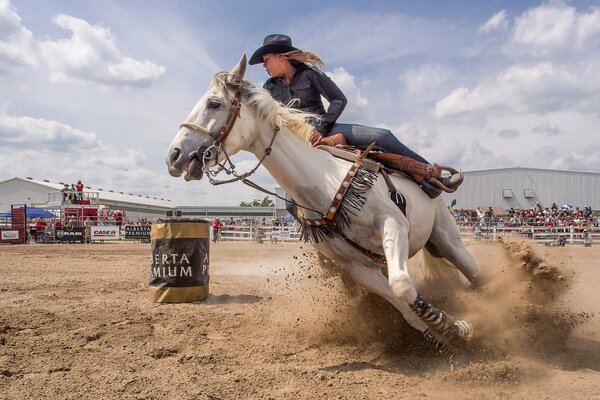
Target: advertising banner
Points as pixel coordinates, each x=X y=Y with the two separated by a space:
x=110 y=232
x=68 y=234
x=10 y=235
x=140 y=232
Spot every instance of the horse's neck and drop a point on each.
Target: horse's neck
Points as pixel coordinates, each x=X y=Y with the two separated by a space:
x=309 y=175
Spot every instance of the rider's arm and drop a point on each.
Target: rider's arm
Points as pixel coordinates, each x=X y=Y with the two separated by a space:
x=335 y=97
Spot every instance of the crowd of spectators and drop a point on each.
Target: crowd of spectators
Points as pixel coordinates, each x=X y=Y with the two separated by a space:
x=536 y=216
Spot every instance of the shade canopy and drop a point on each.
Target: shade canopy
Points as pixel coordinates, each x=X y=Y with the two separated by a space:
x=33 y=212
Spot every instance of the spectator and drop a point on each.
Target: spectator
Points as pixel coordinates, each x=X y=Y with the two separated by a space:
x=65 y=193
x=40 y=228
x=79 y=188
x=216 y=224
x=480 y=215
x=118 y=217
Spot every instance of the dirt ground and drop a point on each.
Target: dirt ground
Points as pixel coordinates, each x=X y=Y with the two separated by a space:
x=76 y=323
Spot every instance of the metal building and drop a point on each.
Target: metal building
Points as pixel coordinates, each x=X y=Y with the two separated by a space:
x=523 y=187
x=47 y=194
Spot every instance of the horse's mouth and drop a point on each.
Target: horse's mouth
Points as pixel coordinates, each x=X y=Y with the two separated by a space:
x=193 y=170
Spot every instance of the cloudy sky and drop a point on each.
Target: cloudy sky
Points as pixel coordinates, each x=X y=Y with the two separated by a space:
x=95 y=90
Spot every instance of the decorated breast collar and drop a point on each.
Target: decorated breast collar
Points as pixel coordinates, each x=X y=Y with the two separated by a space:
x=348 y=200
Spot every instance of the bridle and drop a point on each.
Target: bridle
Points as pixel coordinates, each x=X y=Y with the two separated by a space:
x=327 y=219
x=216 y=148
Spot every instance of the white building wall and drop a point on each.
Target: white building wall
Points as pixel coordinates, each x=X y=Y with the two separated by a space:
x=18 y=191
x=485 y=188
x=35 y=193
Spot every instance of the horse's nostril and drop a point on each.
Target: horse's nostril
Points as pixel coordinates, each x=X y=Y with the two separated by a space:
x=175 y=155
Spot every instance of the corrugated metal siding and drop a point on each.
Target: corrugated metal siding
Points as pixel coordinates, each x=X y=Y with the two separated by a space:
x=484 y=188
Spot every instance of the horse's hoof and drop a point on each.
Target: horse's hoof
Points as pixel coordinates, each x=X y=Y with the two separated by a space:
x=476 y=284
x=464 y=329
x=458 y=361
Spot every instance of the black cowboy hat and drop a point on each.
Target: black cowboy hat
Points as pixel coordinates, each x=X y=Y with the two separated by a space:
x=274 y=43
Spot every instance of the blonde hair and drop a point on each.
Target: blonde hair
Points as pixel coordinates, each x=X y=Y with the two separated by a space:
x=305 y=57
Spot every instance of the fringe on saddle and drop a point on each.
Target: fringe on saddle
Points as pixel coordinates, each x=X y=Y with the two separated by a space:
x=418 y=171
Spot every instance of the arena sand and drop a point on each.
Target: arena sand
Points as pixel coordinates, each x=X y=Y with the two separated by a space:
x=76 y=323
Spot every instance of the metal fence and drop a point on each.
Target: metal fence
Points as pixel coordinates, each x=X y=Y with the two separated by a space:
x=556 y=236
x=260 y=233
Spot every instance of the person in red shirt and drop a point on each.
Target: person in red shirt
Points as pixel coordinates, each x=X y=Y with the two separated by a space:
x=118 y=217
x=40 y=227
x=79 y=188
x=216 y=227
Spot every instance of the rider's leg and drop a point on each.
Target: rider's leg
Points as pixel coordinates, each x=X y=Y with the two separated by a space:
x=361 y=136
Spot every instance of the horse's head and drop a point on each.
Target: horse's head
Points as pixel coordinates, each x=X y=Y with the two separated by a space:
x=209 y=134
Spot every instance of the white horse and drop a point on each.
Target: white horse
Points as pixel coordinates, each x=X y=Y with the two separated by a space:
x=365 y=226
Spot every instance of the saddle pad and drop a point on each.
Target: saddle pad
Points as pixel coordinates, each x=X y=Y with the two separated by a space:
x=349 y=155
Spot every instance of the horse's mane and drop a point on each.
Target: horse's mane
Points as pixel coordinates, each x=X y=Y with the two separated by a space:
x=269 y=109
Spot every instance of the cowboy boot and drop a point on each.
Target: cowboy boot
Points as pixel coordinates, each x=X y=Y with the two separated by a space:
x=453 y=181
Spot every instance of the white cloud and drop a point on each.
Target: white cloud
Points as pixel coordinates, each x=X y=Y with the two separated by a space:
x=416 y=136
x=425 y=80
x=497 y=21
x=585 y=160
x=17 y=48
x=357 y=103
x=539 y=88
x=547 y=129
x=508 y=133
x=20 y=131
x=550 y=28
x=479 y=157
x=91 y=55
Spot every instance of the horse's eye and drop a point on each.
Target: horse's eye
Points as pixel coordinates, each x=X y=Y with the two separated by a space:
x=214 y=104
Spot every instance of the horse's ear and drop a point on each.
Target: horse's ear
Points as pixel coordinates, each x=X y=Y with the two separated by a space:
x=236 y=75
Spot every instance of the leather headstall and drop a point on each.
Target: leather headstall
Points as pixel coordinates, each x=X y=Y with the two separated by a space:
x=234 y=114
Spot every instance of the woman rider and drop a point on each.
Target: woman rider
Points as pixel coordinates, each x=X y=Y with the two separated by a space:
x=296 y=75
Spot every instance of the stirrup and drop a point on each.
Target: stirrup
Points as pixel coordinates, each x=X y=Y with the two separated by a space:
x=435 y=181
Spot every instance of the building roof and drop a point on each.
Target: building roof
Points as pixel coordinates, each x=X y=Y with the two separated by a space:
x=517 y=168
x=104 y=195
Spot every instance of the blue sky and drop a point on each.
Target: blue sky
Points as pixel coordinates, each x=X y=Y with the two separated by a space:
x=95 y=90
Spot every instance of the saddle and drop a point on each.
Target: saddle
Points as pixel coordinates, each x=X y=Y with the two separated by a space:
x=427 y=176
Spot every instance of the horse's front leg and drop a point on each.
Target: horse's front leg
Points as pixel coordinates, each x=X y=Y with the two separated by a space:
x=442 y=328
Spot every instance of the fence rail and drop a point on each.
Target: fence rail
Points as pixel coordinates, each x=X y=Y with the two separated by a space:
x=260 y=233
x=556 y=236
x=569 y=235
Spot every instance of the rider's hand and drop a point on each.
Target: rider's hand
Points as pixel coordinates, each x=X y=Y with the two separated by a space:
x=315 y=137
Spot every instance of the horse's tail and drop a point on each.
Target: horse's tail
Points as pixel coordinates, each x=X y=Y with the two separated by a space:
x=438 y=273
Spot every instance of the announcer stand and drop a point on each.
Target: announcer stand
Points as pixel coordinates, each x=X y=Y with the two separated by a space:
x=78 y=213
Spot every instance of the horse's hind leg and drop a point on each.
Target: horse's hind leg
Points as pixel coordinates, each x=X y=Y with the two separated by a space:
x=445 y=240
x=374 y=281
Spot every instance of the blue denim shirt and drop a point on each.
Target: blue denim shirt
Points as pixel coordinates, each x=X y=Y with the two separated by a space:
x=307 y=86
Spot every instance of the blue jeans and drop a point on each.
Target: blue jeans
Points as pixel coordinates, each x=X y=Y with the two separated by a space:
x=361 y=136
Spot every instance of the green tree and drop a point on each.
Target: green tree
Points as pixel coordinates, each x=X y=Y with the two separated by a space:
x=265 y=202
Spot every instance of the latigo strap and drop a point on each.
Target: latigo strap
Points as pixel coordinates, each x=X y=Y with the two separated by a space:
x=416 y=169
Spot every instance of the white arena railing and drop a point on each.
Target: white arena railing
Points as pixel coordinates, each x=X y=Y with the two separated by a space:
x=576 y=235
x=260 y=233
